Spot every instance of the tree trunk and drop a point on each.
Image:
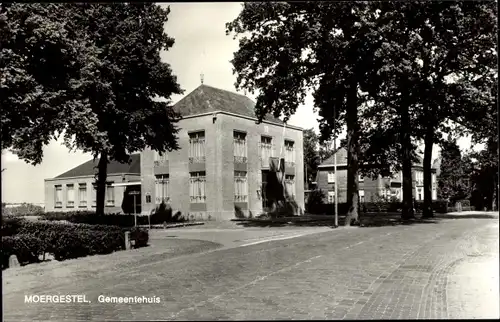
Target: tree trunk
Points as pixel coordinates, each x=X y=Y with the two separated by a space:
x=428 y=141
x=101 y=183
x=352 y=156
x=406 y=146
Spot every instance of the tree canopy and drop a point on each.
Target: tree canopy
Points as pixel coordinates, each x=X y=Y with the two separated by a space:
x=89 y=72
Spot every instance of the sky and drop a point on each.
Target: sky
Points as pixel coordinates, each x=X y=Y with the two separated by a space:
x=201 y=47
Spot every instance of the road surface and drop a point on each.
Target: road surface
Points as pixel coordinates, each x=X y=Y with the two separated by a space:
x=443 y=270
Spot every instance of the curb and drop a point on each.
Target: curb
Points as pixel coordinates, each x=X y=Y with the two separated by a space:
x=171 y=225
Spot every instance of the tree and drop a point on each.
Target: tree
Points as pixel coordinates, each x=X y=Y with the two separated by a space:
x=311 y=155
x=425 y=45
x=451 y=183
x=103 y=99
x=289 y=51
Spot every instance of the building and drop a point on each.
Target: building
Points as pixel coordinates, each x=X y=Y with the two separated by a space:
x=74 y=190
x=369 y=189
x=223 y=160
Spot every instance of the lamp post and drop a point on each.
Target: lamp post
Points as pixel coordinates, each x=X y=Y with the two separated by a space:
x=335 y=167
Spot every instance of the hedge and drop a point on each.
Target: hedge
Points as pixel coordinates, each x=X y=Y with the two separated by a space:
x=63 y=241
x=161 y=216
x=439 y=206
x=11 y=225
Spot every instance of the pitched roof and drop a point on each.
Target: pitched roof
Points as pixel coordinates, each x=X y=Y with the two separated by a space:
x=89 y=168
x=206 y=99
x=330 y=160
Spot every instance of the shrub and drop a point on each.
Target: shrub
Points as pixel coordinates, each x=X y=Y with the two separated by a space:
x=315 y=201
x=11 y=225
x=26 y=247
x=91 y=217
x=139 y=236
x=238 y=213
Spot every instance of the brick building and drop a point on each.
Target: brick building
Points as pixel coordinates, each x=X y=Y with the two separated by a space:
x=369 y=189
x=223 y=159
x=74 y=189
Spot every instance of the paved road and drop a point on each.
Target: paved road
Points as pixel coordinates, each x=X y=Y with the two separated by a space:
x=447 y=269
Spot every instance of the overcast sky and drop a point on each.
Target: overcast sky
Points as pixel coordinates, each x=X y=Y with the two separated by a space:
x=201 y=46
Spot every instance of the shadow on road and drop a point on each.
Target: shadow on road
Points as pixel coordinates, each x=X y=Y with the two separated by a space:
x=379 y=220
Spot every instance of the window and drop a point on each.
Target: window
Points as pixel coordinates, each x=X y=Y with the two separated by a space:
x=197 y=147
x=240 y=147
x=58 y=197
x=197 y=184
x=361 y=196
x=160 y=159
x=419 y=178
x=290 y=185
x=266 y=149
x=331 y=196
x=361 y=178
x=240 y=186
x=331 y=177
x=419 y=191
x=289 y=153
x=94 y=195
x=110 y=194
x=70 y=196
x=82 y=195
x=162 y=191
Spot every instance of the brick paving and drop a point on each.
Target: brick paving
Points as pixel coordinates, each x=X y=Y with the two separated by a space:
x=435 y=270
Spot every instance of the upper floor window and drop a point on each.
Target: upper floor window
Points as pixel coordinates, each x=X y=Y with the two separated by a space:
x=331 y=177
x=82 y=195
x=197 y=147
x=361 y=178
x=290 y=152
x=160 y=159
x=70 y=195
x=58 y=196
x=266 y=147
x=240 y=147
x=162 y=191
x=197 y=185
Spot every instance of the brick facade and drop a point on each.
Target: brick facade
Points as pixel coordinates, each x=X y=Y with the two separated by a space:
x=50 y=186
x=220 y=165
x=370 y=187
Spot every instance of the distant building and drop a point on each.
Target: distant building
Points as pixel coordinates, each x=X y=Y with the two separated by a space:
x=74 y=190
x=223 y=160
x=369 y=189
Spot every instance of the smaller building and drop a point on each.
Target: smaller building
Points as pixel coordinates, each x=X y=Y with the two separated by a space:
x=74 y=190
x=370 y=190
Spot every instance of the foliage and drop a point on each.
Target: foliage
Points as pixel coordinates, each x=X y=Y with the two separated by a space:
x=163 y=214
x=140 y=237
x=90 y=72
x=91 y=217
x=64 y=241
x=25 y=209
x=26 y=247
x=238 y=213
x=315 y=200
x=451 y=181
x=311 y=155
x=11 y=225
x=287 y=49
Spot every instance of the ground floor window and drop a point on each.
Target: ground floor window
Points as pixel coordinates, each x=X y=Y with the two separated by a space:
x=58 y=196
x=162 y=191
x=331 y=196
x=290 y=185
x=361 y=196
x=197 y=185
x=240 y=186
x=82 y=194
x=110 y=194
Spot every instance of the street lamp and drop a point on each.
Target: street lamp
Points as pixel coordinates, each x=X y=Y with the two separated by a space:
x=335 y=166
